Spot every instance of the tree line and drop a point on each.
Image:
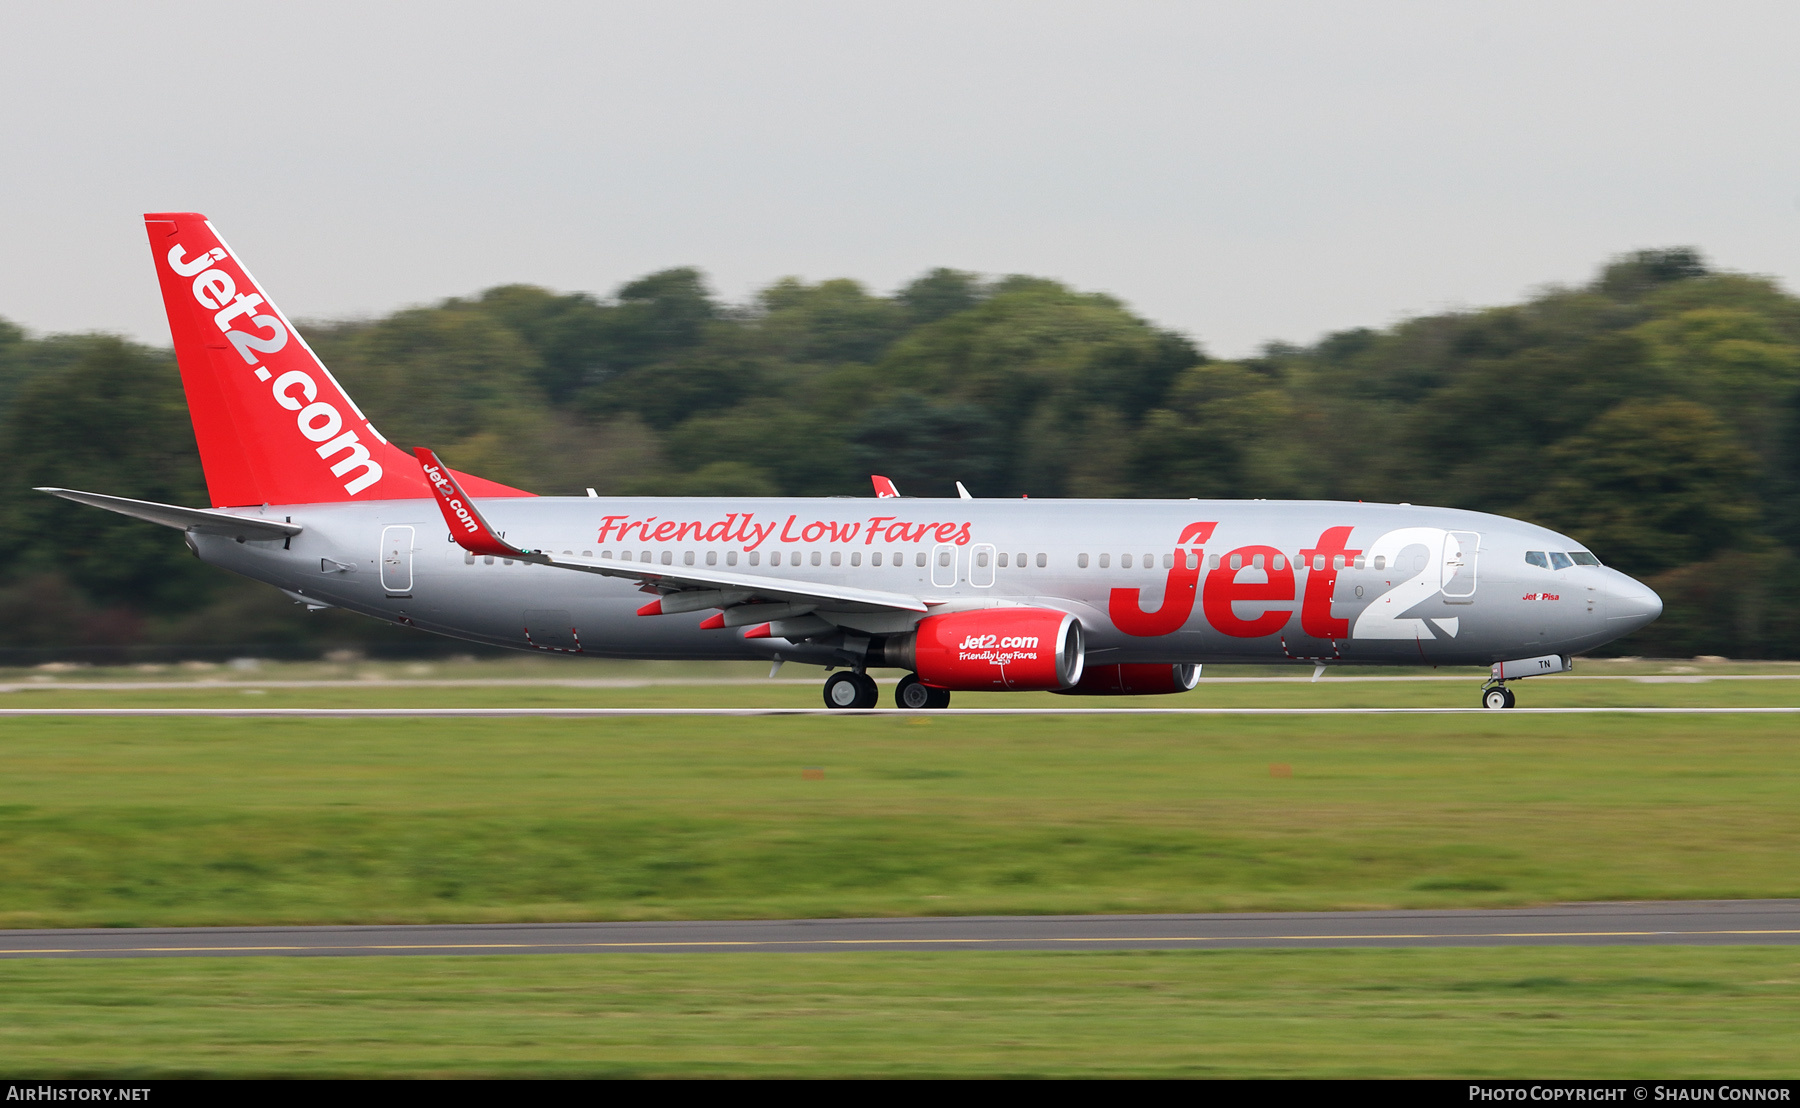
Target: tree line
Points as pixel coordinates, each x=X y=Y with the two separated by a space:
x=1654 y=413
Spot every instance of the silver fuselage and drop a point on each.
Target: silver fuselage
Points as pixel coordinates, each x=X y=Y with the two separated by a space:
x=1420 y=585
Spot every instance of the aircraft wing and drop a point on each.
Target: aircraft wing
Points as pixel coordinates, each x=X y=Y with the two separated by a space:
x=203 y=520
x=731 y=589
x=714 y=588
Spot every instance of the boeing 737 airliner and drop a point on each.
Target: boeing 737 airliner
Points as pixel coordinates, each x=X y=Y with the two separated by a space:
x=1089 y=597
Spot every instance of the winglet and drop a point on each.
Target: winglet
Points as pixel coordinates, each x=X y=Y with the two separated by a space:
x=884 y=488
x=470 y=531
x=962 y=493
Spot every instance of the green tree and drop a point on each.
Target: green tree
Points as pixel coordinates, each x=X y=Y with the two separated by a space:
x=1651 y=485
x=116 y=422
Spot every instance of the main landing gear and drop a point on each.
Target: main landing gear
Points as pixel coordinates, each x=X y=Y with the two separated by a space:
x=845 y=689
x=1496 y=695
x=914 y=693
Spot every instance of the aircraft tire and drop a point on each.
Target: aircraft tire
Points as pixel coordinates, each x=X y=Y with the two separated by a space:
x=912 y=693
x=1510 y=698
x=1496 y=697
x=868 y=692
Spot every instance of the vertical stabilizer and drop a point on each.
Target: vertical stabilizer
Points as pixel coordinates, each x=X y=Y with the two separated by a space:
x=273 y=425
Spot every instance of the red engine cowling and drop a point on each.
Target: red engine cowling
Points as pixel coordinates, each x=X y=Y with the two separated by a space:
x=1134 y=680
x=993 y=648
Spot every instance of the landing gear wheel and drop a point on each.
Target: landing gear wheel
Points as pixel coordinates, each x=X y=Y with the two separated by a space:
x=1510 y=699
x=844 y=689
x=914 y=693
x=1498 y=696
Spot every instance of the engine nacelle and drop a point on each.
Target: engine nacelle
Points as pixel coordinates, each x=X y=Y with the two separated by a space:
x=992 y=648
x=1134 y=680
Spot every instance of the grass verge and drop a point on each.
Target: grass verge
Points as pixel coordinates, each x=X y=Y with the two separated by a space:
x=1603 y=1013
x=135 y=822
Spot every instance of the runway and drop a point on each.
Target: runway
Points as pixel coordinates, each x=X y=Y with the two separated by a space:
x=1682 y=923
x=588 y=713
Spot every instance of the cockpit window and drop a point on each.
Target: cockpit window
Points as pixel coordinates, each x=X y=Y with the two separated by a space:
x=1583 y=558
x=1559 y=560
x=1537 y=558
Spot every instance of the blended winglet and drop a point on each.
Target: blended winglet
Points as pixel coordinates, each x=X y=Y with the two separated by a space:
x=884 y=488
x=467 y=526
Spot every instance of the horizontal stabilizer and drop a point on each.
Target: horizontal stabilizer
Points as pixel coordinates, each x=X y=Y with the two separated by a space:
x=200 y=520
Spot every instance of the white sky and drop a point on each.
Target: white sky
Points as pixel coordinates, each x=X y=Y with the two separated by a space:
x=1242 y=172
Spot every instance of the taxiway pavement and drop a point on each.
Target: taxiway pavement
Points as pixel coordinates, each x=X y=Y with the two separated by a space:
x=1683 y=923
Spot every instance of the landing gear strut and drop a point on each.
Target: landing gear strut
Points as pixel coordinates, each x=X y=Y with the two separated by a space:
x=914 y=693
x=1496 y=695
x=845 y=689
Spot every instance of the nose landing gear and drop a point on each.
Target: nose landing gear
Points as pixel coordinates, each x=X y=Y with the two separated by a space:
x=1496 y=695
x=845 y=689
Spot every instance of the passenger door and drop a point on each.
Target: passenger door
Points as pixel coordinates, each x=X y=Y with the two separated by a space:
x=397 y=560
x=1460 y=550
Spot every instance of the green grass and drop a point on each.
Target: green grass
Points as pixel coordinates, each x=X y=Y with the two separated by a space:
x=1619 y=1013
x=134 y=822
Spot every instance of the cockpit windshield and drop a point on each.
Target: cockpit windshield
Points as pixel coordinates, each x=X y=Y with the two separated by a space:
x=1583 y=558
x=1559 y=560
x=1537 y=558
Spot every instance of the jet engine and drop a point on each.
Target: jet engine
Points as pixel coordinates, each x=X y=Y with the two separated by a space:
x=991 y=648
x=1134 y=680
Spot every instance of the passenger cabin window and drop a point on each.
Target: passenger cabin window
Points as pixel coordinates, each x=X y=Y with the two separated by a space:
x=755 y=557
x=855 y=557
x=1081 y=560
x=1105 y=561
x=712 y=557
x=687 y=558
x=1003 y=559
x=1124 y=561
x=1583 y=558
x=1381 y=561
x=920 y=560
x=1559 y=560
x=1043 y=560
x=943 y=558
x=1537 y=558
x=981 y=558
x=837 y=559
x=815 y=559
x=1237 y=561
x=875 y=558
x=731 y=557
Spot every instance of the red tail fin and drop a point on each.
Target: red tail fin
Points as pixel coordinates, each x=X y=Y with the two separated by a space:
x=273 y=425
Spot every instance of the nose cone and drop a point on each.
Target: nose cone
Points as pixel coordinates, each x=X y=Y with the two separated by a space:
x=1630 y=605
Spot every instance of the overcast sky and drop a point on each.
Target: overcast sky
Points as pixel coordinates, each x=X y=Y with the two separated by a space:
x=1242 y=172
